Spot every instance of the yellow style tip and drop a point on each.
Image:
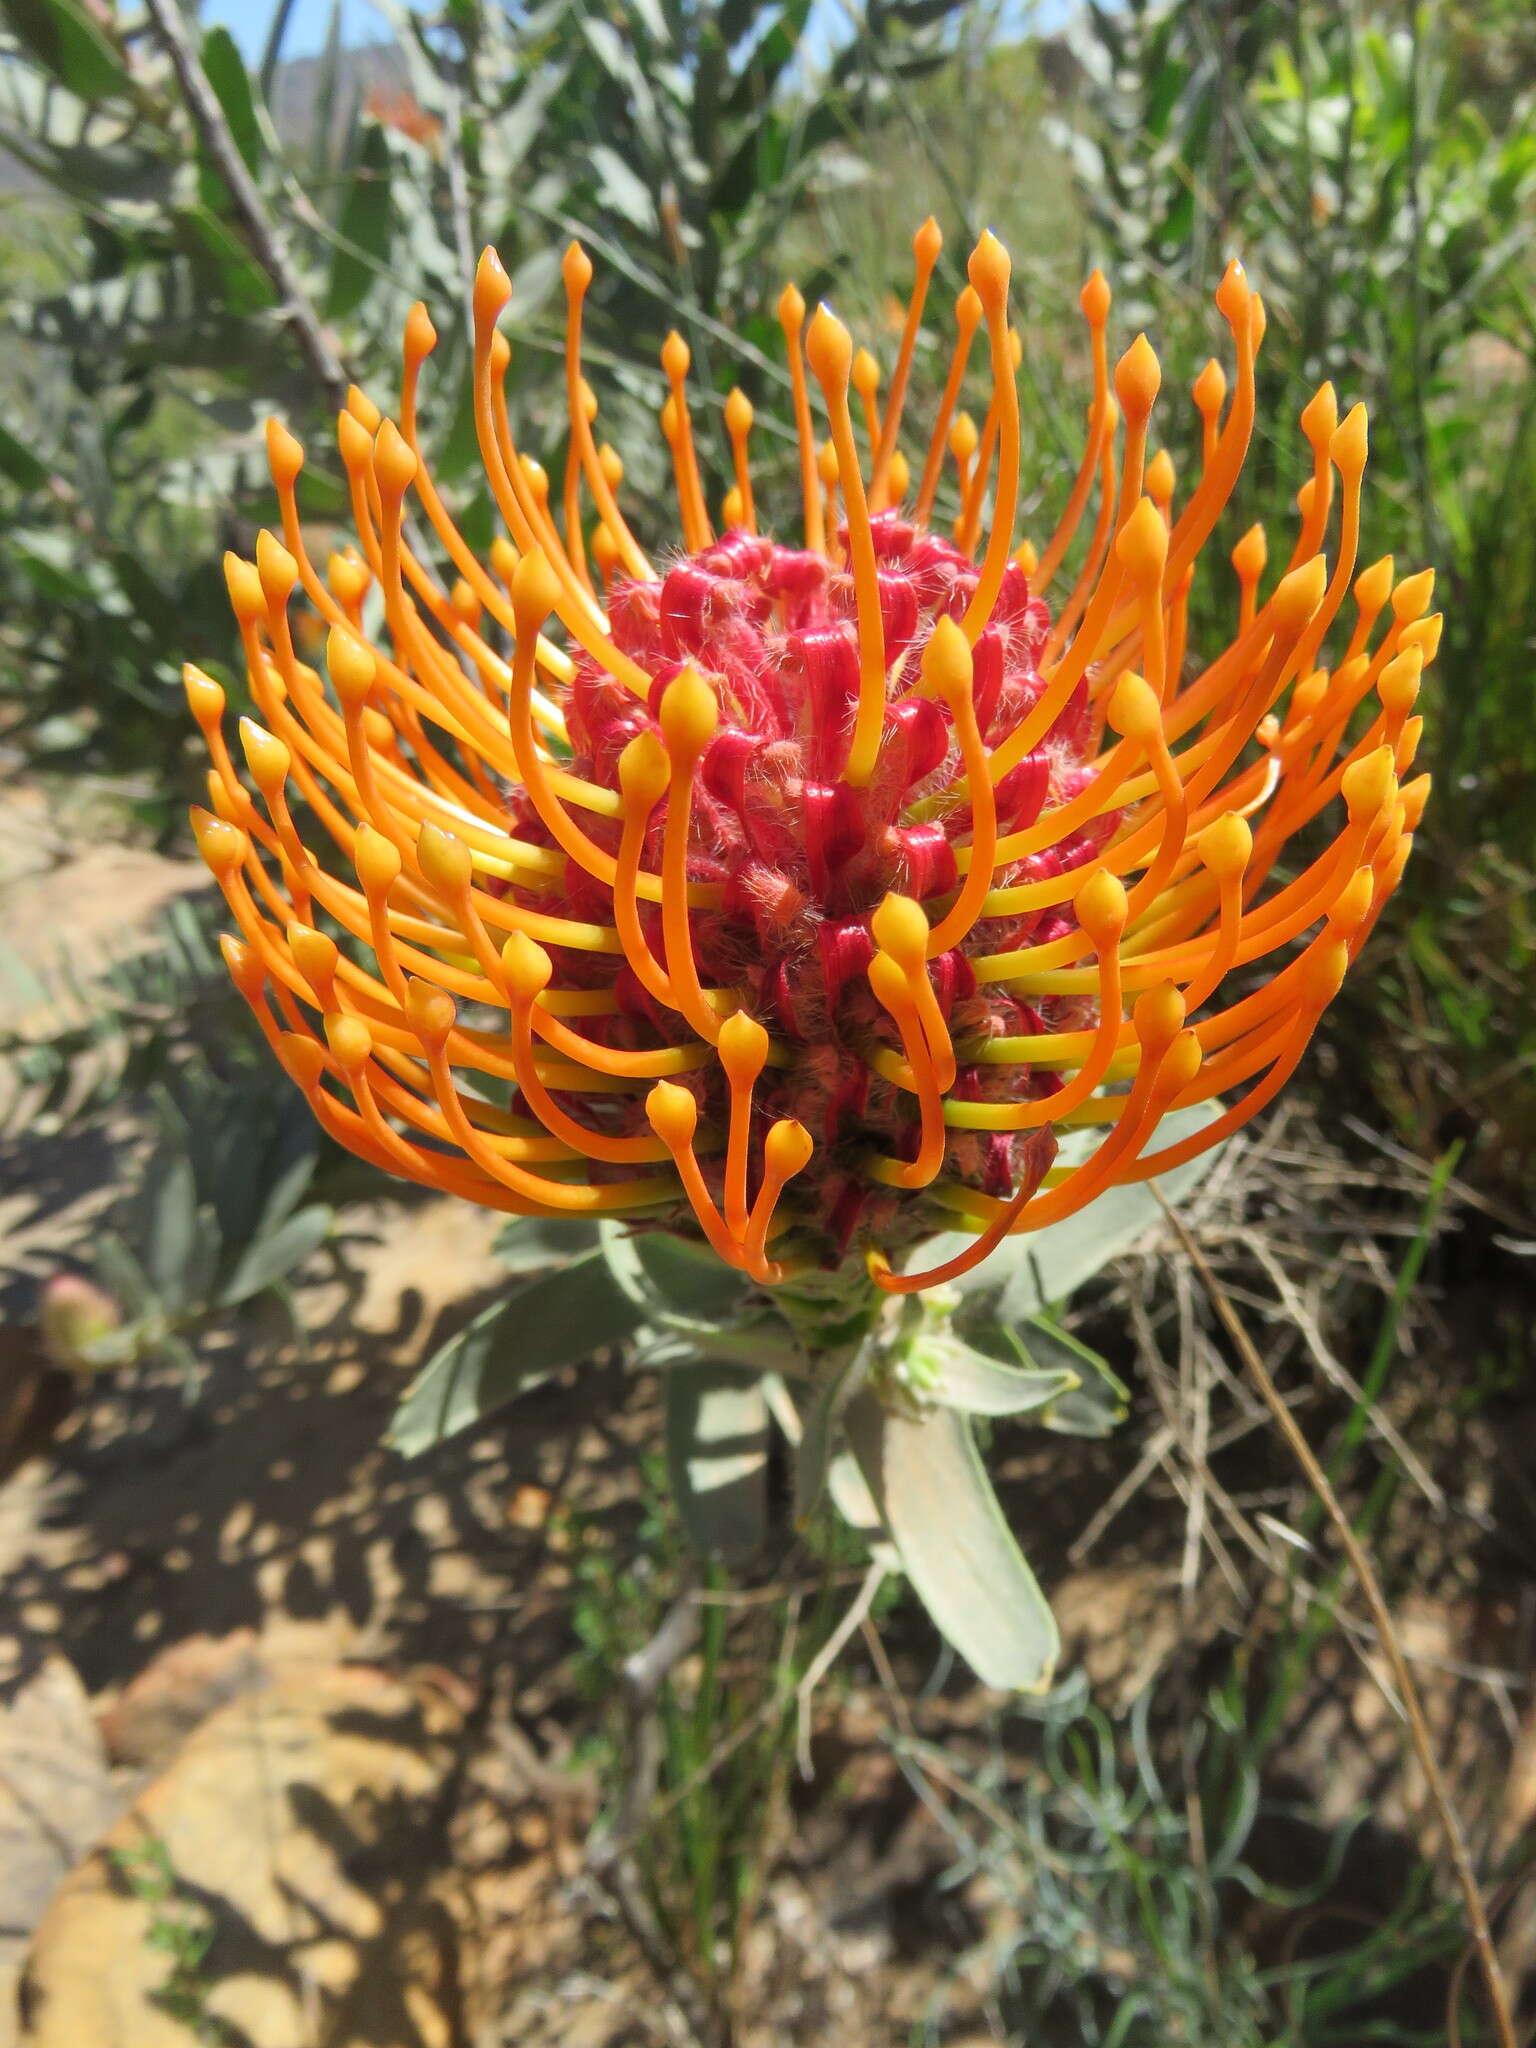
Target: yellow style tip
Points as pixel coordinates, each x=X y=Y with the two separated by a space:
x=493 y=288
x=947 y=660
x=1141 y=545
x=1226 y=846
x=285 y=454
x=575 y=269
x=529 y=968
x=535 y=591
x=444 y=860
x=690 y=712
x=420 y=335
x=899 y=927
x=829 y=349
x=1138 y=379
x=989 y=270
x=352 y=665
x=672 y=1114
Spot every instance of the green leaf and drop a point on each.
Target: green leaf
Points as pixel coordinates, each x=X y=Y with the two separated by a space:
x=926 y=1477
x=1096 y=1404
x=717 y=1455
x=64 y=36
x=19 y=463
x=171 y=1239
x=232 y=87
x=758 y=1341
x=228 y=267
x=529 y=1244
x=365 y=228
x=670 y=1279
x=558 y=1319
x=621 y=189
x=944 y=1369
x=271 y=1257
x=123 y=1277
x=813 y=1453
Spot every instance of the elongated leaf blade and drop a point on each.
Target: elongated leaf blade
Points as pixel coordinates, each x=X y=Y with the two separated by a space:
x=937 y=1504
x=558 y=1319
x=956 y=1375
x=232 y=87
x=717 y=1455
x=671 y=1280
x=531 y=1244
x=365 y=228
x=272 y=1257
x=71 y=43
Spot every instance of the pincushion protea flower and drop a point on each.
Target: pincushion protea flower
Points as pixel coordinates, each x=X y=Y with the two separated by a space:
x=801 y=895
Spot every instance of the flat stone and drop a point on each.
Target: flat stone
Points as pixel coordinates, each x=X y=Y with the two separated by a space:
x=57 y=1796
x=274 y=1884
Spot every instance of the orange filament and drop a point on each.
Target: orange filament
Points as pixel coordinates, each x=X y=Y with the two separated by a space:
x=678 y=430
x=689 y=714
x=738 y=425
x=830 y=353
x=968 y=316
x=1095 y=302
x=787 y=1150
x=792 y=320
x=926 y=244
x=743 y=1050
x=893 y=992
x=947 y=674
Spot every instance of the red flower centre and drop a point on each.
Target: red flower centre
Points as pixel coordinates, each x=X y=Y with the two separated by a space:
x=802 y=859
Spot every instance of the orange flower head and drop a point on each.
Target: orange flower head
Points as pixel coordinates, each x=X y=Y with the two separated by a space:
x=802 y=896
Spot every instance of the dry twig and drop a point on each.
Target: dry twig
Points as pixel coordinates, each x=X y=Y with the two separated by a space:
x=1402 y=1676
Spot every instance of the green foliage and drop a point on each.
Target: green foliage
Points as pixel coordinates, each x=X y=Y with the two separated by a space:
x=679 y=140
x=158 y=1010
x=181 y=1928
x=218 y=1218
x=839 y=1369
x=1136 y=1862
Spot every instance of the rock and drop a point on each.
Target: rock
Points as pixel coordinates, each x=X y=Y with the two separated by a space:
x=275 y=1884
x=57 y=1796
x=158 y=1710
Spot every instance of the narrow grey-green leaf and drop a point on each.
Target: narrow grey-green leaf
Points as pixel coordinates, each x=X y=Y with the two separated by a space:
x=937 y=1504
x=18 y=463
x=758 y=1342
x=813 y=1454
x=671 y=1279
x=172 y=1235
x=72 y=43
x=364 y=229
x=232 y=87
x=956 y=1375
x=557 y=1319
x=530 y=1244
x=717 y=1455
x=1097 y=1404
x=278 y=1252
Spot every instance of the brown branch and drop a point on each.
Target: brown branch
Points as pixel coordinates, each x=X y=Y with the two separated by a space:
x=207 y=115
x=1370 y=1586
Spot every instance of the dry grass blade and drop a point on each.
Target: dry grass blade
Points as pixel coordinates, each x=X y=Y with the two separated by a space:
x=1402 y=1676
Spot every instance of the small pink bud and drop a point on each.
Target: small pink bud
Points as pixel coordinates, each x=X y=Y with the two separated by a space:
x=74 y=1316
